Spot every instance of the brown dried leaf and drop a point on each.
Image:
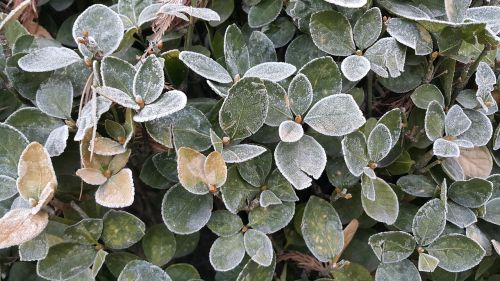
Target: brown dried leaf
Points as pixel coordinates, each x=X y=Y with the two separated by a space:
x=91 y=176
x=215 y=169
x=119 y=161
x=45 y=197
x=118 y=191
x=97 y=161
x=107 y=147
x=35 y=171
x=20 y=225
x=190 y=167
x=476 y=162
x=349 y=232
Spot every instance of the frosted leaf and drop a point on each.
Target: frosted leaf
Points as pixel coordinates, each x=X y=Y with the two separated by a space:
x=355 y=67
x=184 y=212
x=268 y=198
x=236 y=192
x=118 y=191
x=322 y=229
x=472 y=193
x=8 y=187
x=331 y=32
x=379 y=143
x=35 y=171
x=46 y=196
x=480 y=131
x=452 y=168
x=459 y=215
x=48 y=59
x=324 y=75
x=476 y=162
x=385 y=207
x=11 y=147
x=99 y=260
x=119 y=74
x=300 y=94
x=201 y=13
x=14 y=14
x=215 y=169
x=149 y=80
x=20 y=225
x=425 y=94
x=368 y=184
x=168 y=103
x=393 y=121
x=33 y=123
x=219 y=89
x=403 y=270
x=191 y=171
x=279 y=109
x=274 y=71
x=265 y=12
x=245 y=109
x=103 y=24
x=456 y=252
x=475 y=233
x=119 y=161
x=271 y=219
x=227 y=252
x=261 y=48
x=55 y=97
x=299 y=160
x=139 y=270
x=387 y=57
x=336 y=115
x=259 y=247
x=368 y=28
x=445 y=148
x=486 y=14
x=348 y=3
x=87 y=119
x=205 y=67
x=434 y=121
x=91 y=176
x=492 y=209
x=107 y=147
x=456 y=122
x=132 y=8
x=241 y=152
x=148 y=14
x=355 y=153
x=463 y=143
x=429 y=222
x=456 y=9
x=236 y=51
x=485 y=77
x=217 y=142
x=496 y=245
x=67 y=260
x=35 y=249
x=392 y=246
x=290 y=131
x=369 y=172
x=56 y=142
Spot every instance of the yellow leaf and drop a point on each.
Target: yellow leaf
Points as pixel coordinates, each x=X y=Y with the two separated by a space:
x=91 y=176
x=96 y=161
x=190 y=167
x=34 y=171
x=476 y=162
x=20 y=225
x=215 y=169
x=118 y=191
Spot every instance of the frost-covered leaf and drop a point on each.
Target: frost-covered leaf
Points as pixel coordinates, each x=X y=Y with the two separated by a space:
x=332 y=33
x=33 y=123
x=236 y=52
x=492 y=209
x=410 y=34
x=261 y=48
x=215 y=169
x=20 y=225
x=264 y=12
x=11 y=147
x=184 y=212
x=272 y=218
x=456 y=252
x=472 y=193
x=35 y=249
x=279 y=109
x=159 y=245
x=387 y=57
x=355 y=153
x=254 y=270
x=87 y=231
x=259 y=247
x=385 y=207
x=55 y=97
x=300 y=94
x=107 y=147
x=456 y=9
x=168 y=103
x=403 y=270
x=118 y=191
x=149 y=80
x=268 y=198
x=456 y=122
x=425 y=94
x=119 y=74
x=324 y=75
x=290 y=131
x=48 y=59
x=480 y=131
x=379 y=143
x=56 y=141
x=445 y=148
x=103 y=25
x=475 y=162
x=35 y=171
x=473 y=232
x=367 y=29
x=429 y=222
x=241 y=152
x=191 y=171
x=348 y=3
x=245 y=108
x=459 y=215
x=485 y=77
x=227 y=252
x=434 y=121
x=224 y=223
x=205 y=67
x=322 y=229
x=89 y=116
x=121 y=229
x=273 y=71
x=299 y=160
x=118 y=96
x=139 y=270
x=427 y=263
x=66 y=260
x=355 y=67
x=485 y=14
x=132 y=8
x=336 y=115
x=8 y=187
x=236 y=192
x=392 y=246
x=201 y=13
x=417 y=185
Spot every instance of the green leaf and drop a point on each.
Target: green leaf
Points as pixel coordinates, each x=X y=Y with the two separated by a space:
x=255 y=170
x=302 y=50
x=290 y=131
x=121 y=229
x=48 y=59
x=33 y=123
x=101 y=23
x=280 y=32
x=273 y=71
x=459 y=215
x=245 y=108
x=66 y=260
x=456 y=252
x=456 y=122
x=205 y=67
x=224 y=223
x=429 y=222
x=480 y=131
x=119 y=74
x=272 y=218
x=264 y=13
x=325 y=77
x=332 y=33
x=351 y=272
x=300 y=94
x=471 y=193
x=268 y=198
x=387 y=57
x=132 y=8
x=355 y=67
x=236 y=52
x=149 y=80
x=278 y=184
x=227 y=252
x=138 y=270
x=417 y=185
x=411 y=34
x=236 y=192
x=392 y=246
x=425 y=94
x=224 y=9
x=367 y=29
x=385 y=207
x=184 y=212
x=159 y=245
x=434 y=121
x=239 y=153
x=261 y=48
x=348 y=3
x=99 y=260
x=379 y=143
x=55 y=98
x=183 y=272
x=116 y=261
x=403 y=270
x=254 y=271
x=492 y=211
x=87 y=231
x=35 y=249
x=169 y=103
x=456 y=10
x=322 y=229
x=309 y=159
x=355 y=153
x=427 y=263
x=259 y=247
x=8 y=187
x=279 y=110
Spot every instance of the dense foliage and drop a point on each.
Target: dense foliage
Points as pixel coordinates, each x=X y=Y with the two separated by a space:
x=250 y=140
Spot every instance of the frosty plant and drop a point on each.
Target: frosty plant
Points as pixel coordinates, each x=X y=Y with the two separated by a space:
x=254 y=140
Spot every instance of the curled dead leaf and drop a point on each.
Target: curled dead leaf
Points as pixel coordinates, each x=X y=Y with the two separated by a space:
x=21 y=225
x=476 y=162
